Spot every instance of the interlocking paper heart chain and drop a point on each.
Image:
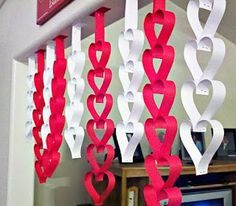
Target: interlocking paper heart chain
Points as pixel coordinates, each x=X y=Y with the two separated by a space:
x=130 y=45
x=160 y=189
x=203 y=82
x=100 y=122
x=48 y=159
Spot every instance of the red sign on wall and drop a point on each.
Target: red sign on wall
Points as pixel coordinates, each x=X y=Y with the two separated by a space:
x=47 y=8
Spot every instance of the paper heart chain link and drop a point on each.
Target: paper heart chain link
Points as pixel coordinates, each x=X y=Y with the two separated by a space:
x=203 y=81
x=57 y=104
x=38 y=118
x=130 y=45
x=29 y=125
x=160 y=189
x=47 y=91
x=74 y=134
x=100 y=128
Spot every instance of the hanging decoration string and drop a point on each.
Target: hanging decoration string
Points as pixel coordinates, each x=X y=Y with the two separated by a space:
x=100 y=124
x=57 y=104
x=29 y=125
x=160 y=189
x=74 y=134
x=203 y=81
x=47 y=91
x=39 y=152
x=130 y=45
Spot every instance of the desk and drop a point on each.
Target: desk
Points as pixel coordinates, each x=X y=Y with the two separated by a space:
x=137 y=170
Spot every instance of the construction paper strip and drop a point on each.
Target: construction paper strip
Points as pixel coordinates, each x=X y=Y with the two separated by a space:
x=203 y=81
x=130 y=45
x=57 y=104
x=38 y=117
x=47 y=91
x=74 y=134
x=100 y=122
x=29 y=125
x=161 y=144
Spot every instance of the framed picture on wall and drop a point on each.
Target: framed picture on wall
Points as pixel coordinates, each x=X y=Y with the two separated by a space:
x=227 y=149
x=138 y=154
x=198 y=138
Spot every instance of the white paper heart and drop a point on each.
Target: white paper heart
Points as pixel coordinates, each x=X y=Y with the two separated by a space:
x=136 y=111
x=74 y=138
x=128 y=147
x=217 y=99
x=73 y=113
x=28 y=129
x=217 y=9
x=190 y=56
x=75 y=89
x=76 y=63
x=200 y=161
x=136 y=79
x=131 y=44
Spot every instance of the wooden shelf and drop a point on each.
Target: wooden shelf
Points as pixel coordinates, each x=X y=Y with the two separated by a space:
x=138 y=169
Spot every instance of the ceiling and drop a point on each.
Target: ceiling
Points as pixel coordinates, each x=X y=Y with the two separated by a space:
x=227 y=27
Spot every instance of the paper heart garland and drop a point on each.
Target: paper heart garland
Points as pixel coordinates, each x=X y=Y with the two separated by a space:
x=38 y=118
x=130 y=45
x=200 y=161
x=97 y=198
x=47 y=91
x=56 y=104
x=203 y=81
x=74 y=134
x=158 y=189
x=100 y=121
x=29 y=124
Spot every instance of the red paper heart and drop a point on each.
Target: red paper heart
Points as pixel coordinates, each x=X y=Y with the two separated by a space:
x=152 y=198
x=59 y=68
x=38 y=151
x=50 y=162
x=36 y=135
x=54 y=141
x=58 y=87
x=107 y=107
x=167 y=88
x=40 y=173
x=38 y=118
x=166 y=54
x=38 y=100
x=97 y=198
x=57 y=105
x=164 y=18
x=97 y=170
x=161 y=149
x=56 y=123
x=108 y=131
x=105 y=49
x=38 y=81
x=175 y=168
x=106 y=75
